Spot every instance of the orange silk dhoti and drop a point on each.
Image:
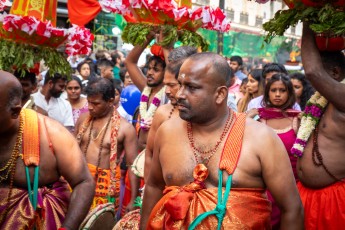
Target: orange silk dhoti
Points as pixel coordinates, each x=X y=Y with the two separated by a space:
x=323 y=208
x=246 y=209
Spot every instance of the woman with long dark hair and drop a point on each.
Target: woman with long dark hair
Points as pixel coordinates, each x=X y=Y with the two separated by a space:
x=254 y=89
x=303 y=89
x=278 y=101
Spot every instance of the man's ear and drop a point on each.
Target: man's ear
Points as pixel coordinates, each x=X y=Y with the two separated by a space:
x=222 y=94
x=15 y=111
x=111 y=101
x=50 y=84
x=336 y=73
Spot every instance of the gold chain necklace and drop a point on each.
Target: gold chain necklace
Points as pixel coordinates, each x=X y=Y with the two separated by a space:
x=95 y=138
x=15 y=153
x=12 y=168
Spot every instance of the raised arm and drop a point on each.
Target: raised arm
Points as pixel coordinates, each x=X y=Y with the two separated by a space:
x=278 y=176
x=155 y=184
x=131 y=151
x=321 y=79
x=72 y=166
x=131 y=62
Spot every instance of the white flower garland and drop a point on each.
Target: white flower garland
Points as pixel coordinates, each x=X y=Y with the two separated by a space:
x=146 y=113
x=310 y=119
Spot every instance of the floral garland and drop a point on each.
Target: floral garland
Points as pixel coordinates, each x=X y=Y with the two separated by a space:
x=4 y=4
x=29 y=30
x=312 y=114
x=168 y=12
x=145 y=112
x=310 y=119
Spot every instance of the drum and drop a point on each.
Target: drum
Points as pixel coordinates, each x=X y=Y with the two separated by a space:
x=130 y=221
x=100 y=218
x=138 y=164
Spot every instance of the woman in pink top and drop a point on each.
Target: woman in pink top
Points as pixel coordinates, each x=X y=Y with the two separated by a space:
x=79 y=104
x=278 y=100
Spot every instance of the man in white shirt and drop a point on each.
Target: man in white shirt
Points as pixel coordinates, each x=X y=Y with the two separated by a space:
x=48 y=98
x=267 y=72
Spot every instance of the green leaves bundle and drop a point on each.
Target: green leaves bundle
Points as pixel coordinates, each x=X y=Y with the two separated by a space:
x=136 y=34
x=23 y=56
x=328 y=20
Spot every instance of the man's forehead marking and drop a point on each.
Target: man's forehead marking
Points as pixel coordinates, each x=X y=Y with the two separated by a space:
x=182 y=75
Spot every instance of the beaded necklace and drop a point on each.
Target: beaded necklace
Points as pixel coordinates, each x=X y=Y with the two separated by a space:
x=200 y=153
x=171 y=112
x=12 y=167
x=100 y=145
x=317 y=156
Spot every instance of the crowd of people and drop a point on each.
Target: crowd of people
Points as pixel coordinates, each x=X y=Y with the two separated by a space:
x=208 y=147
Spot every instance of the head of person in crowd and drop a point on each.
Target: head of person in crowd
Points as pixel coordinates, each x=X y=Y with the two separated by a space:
x=117 y=58
x=181 y=52
x=303 y=89
x=334 y=64
x=176 y=58
x=84 y=70
x=74 y=88
x=270 y=69
x=232 y=79
x=203 y=94
x=155 y=71
x=105 y=68
x=279 y=92
x=255 y=88
x=10 y=101
x=55 y=84
x=125 y=78
x=102 y=54
x=243 y=87
x=28 y=81
x=100 y=94
x=236 y=63
x=118 y=90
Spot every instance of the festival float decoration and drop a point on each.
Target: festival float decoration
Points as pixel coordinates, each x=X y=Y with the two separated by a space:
x=174 y=17
x=28 y=34
x=325 y=17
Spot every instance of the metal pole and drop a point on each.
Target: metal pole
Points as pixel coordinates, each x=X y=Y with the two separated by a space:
x=220 y=34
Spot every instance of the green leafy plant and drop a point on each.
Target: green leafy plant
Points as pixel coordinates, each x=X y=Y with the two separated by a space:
x=136 y=34
x=23 y=57
x=328 y=20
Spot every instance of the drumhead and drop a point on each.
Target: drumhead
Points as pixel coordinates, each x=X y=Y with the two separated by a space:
x=138 y=164
x=101 y=217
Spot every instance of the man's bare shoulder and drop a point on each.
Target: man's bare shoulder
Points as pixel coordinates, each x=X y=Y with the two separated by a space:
x=51 y=125
x=173 y=125
x=258 y=132
x=125 y=124
x=82 y=117
x=164 y=111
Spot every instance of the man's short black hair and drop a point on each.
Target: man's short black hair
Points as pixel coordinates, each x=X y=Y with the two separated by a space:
x=26 y=76
x=101 y=86
x=333 y=59
x=105 y=62
x=237 y=59
x=55 y=78
x=157 y=60
x=273 y=67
